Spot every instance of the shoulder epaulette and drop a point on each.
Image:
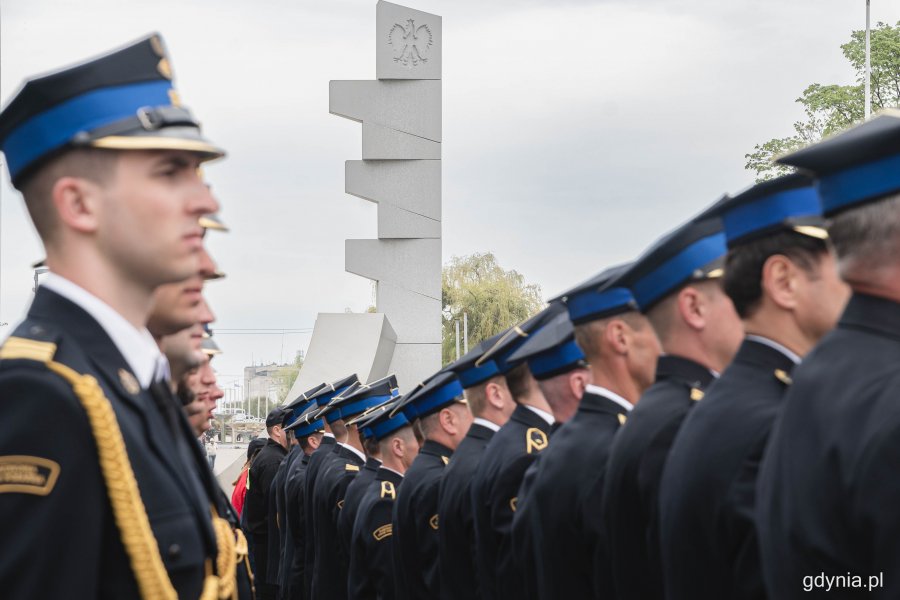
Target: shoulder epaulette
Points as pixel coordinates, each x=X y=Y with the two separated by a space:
x=387 y=490
x=18 y=348
x=535 y=440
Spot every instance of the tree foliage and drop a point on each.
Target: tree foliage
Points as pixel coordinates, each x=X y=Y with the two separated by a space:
x=832 y=108
x=493 y=298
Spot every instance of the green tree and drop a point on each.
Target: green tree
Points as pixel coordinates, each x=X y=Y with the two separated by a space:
x=832 y=108
x=493 y=298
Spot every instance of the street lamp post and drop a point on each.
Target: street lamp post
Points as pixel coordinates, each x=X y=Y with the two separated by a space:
x=868 y=107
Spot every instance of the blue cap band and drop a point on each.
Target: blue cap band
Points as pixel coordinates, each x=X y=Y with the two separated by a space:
x=57 y=126
x=555 y=359
x=770 y=211
x=678 y=269
x=859 y=184
x=436 y=399
x=309 y=429
x=385 y=427
x=590 y=303
x=478 y=374
x=355 y=408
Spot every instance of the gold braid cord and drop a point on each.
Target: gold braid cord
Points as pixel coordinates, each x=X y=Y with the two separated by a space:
x=128 y=508
x=124 y=496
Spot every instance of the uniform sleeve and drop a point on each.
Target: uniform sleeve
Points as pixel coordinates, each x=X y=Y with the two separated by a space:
x=337 y=505
x=503 y=501
x=740 y=535
x=52 y=493
x=371 y=556
x=427 y=536
x=874 y=499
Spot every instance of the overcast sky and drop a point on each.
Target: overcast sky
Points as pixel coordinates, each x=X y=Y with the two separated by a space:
x=574 y=133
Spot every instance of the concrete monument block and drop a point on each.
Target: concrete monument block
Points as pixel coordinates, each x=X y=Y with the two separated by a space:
x=412 y=107
x=415 y=318
x=345 y=343
x=414 y=363
x=413 y=185
x=389 y=144
x=396 y=223
x=408 y=43
x=414 y=265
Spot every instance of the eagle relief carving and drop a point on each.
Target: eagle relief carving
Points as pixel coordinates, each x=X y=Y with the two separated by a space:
x=410 y=43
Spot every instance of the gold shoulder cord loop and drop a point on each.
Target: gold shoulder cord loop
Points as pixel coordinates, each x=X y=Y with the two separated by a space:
x=128 y=507
x=124 y=496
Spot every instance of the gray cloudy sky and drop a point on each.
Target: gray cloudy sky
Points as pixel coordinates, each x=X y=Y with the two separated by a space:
x=575 y=133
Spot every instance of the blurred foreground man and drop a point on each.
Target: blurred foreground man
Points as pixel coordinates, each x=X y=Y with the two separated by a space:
x=780 y=274
x=106 y=159
x=828 y=489
x=678 y=286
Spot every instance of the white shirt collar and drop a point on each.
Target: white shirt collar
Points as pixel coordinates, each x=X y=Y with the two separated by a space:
x=773 y=344
x=392 y=470
x=602 y=391
x=328 y=434
x=541 y=413
x=354 y=450
x=485 y=423
x=136 y=346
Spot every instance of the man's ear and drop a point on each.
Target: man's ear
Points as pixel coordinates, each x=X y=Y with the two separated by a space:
x=692 y=307
x=617 y=336
x=77 y=202
x=578 y=380
x=779 y=281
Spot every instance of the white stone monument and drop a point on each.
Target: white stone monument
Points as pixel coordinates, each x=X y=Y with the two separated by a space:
x=400 y=171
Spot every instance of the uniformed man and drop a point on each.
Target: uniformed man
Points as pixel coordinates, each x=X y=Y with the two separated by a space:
x=491 y=404
x=257 y=504
x=296 y=499
x=780 y=274
x=828 y=486
x=678 y=287
x=307 y=483
x=558 y=526
x=366 y=475
x=106 y=160
x=495 y=486
x=331 y=564
x=440 y=412
x=299 y=407
x=371 y=574
x=309 y=432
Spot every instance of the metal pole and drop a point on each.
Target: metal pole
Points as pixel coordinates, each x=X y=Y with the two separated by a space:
x=466 y=333
x=457 y=339
x=868 y=108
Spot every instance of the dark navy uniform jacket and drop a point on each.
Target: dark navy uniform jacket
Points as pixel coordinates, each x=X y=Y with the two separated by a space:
x=352 y=496
x=416 y=524
x=371 y=574
x=631 y=488
x=829 y=489
x=277 y=572
x=495 y=491
x=296 y=522
x=557 y=528
x=707 y=496
x=306 y=486
x=329 y=569
x=456 y=543
x=55 y=513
